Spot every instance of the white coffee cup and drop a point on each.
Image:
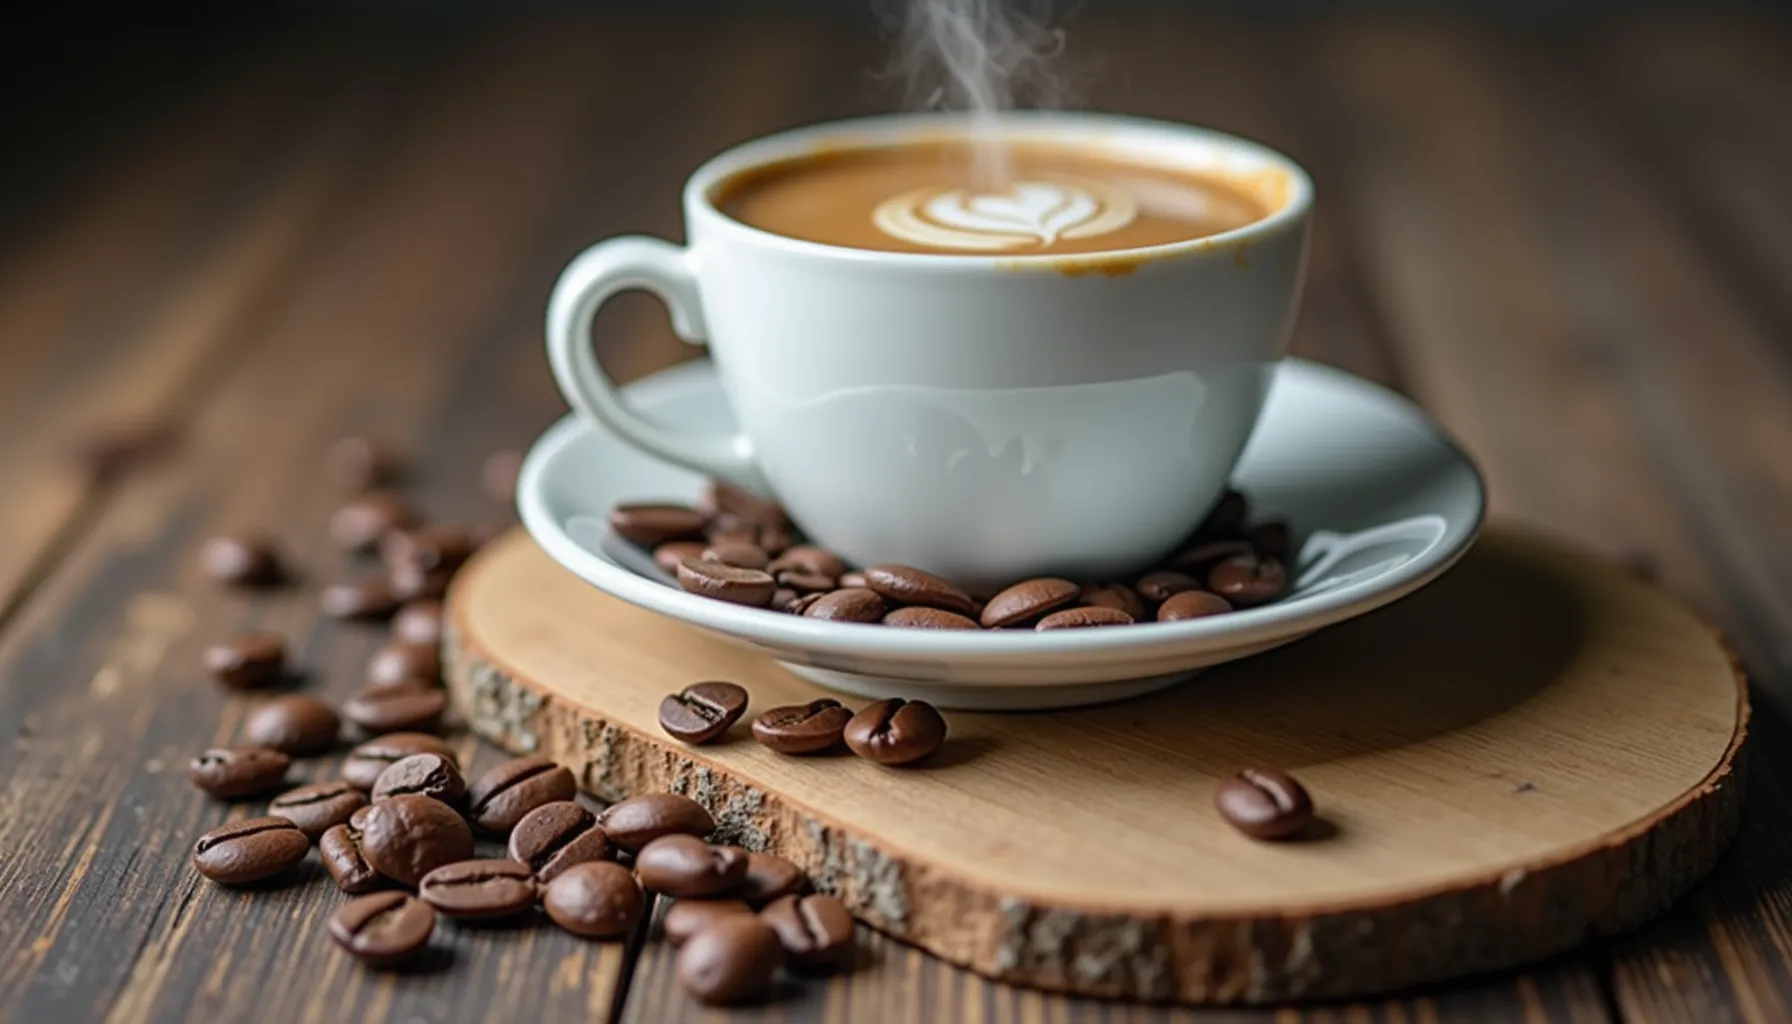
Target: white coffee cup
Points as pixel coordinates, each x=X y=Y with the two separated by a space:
x=985 y=417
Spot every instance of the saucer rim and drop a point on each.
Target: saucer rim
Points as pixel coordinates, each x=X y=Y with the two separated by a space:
x=775 y=629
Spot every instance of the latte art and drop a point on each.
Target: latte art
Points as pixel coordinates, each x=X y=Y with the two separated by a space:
x=1029 y=214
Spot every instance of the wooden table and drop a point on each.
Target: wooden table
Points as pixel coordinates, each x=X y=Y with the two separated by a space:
x=1573 y=247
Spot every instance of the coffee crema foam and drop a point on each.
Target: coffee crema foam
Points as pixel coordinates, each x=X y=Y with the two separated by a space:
x=1028 y=213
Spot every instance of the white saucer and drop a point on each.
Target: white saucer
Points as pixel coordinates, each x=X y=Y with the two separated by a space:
x=1381 y=501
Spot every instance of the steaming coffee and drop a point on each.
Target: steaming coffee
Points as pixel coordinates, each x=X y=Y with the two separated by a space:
x=929 y=197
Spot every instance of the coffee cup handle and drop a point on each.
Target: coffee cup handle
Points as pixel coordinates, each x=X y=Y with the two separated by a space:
x=613 y=266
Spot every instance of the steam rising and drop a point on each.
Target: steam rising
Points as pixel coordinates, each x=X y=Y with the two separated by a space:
x=983 y=57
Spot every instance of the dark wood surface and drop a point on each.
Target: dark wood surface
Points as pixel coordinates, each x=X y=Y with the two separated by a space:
x=1572 y=246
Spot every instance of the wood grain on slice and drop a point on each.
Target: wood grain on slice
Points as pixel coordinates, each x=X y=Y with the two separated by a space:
x=1550 y=756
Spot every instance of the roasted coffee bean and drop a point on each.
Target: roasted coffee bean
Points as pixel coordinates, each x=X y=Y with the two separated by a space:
x=1028 y=600
x=1197 y=558
x=721 y=499
x=596 y=899
x=701 y=712
x=770 y=877
x=1114 y=595
x=728 y=530
x=905 y=584
x=249 y=850
x=805 y=582
x=853 y=578
x=319 y=807
x=363 y=765
x=684 y=866
x=293 y=724
x=498 y=475
x=358 y=463
x=1083 y=618
x=244 y=560
x=802 y=728
x=477 y=890
x=668 y=555
x=1247 y=581
x=741 y=556
x=340 y=850
x=1192 y=604
x=731 y=961
x=816 y=931
x=383 y=929
x=370 y=597
x=650 y=525
x=1264 y=803
x=419 y=622
x=425 y=774
x=750 y=587
x=437 y=547
x=1226 y=518
x=801 y=603
x=688 y=917
x=358 y=820
x=498 y=799
x=1164 y=584
x=412 y=707
x=896 y=731
x=784 y=597
x=922 y=617
x=232 y=772
x=639 y=820
x=855 y=605
x=810 y=558
x=359 y=525
x=555 y=836
x=397 y=663
x=775 y=539
x=1272 y=538
x=410 y=583
x=407 y=837
x=248 y=661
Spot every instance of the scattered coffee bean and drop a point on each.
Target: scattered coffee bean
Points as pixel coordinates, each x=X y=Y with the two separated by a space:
x=812 y=559
x=597 y=899
x=1192 y=604
x=383 y=929
x=432 y=775
x=411 y=583
x=250 y=850
x=412 y=707
x=1028 y=600
x=419 y=622
x=650 y=525
x=1264 y=803
x=398 y=663
x=359 y=463
x=1247 y=581
x=370 y=597
x=248 y=661
x=731 y=961
x=856 y=604
x=805 y=582
x=1204 y=555
x=784 y=597
x=1164 y=584
x=683 y=866
x=896 y=731
x=1273 y=538
x=501 y=797
x=770 y=877
x=293 y=724
x=437 y=547
x=803 y=728
x=688 y=917
x=363 y=765
x=358 y=820
x=668 y=555
x=816 y=931
x=1226 y=518
x=922 y=617
x=340 y=850
x=478 y=890
x=1118 y=596
x=750 y=587
x=359 y=525
x=407 y=837
x=1083 y=618
x=800 y=604
x=724 y=499
x=702 y=712
x=498 y=475
x=639 y=820
x=741 y=556
x=853 y=579
x=318 y=807
x=244 y=560
x=774 y=538
x=555 y=836
x=232 y=772
x=904 y=584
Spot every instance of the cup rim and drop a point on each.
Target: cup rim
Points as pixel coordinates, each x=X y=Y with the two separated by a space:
x=1023 y=125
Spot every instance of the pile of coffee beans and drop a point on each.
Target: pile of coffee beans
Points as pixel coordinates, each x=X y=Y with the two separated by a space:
x=742 y=549
x=890 y=732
